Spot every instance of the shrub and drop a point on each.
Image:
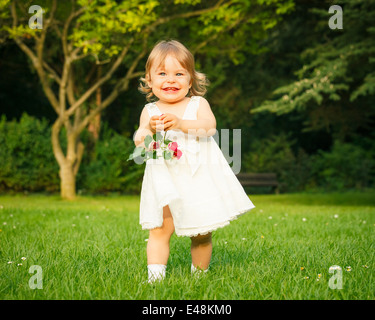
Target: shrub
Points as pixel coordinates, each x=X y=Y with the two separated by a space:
x=345 y=166
x=27 y=162
x=26 y=158
x=108 y=170
x=273 y=154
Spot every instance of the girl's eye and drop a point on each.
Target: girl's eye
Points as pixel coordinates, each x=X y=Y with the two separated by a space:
x=162 y=73
x=179 y=74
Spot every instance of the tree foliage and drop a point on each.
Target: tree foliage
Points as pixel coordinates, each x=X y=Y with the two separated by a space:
x=336 y=83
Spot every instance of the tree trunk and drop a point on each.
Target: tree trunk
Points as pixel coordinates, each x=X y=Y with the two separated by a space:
x=94 y=125
x=67 y=182
x=70 y=163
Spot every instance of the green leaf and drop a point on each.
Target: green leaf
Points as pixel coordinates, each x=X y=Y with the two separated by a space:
x=157 y=136
x=136 y=153
x=148 y=140
x=167 y=155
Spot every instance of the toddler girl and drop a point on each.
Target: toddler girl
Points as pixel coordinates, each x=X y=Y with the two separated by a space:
x=198 y=193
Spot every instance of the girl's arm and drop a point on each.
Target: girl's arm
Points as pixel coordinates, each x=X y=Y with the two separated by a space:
x=143 y=130
x=204 y=126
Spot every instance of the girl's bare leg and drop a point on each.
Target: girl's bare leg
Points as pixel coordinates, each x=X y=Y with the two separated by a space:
x=201 y=251
x=158 y=241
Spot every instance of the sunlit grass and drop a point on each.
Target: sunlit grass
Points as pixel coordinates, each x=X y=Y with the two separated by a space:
x=94 y=248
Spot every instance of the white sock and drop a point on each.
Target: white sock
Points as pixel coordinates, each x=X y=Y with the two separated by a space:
x=195 y=270
x=156 y=272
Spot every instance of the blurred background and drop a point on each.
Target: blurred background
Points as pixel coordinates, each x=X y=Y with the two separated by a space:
x=302 y=93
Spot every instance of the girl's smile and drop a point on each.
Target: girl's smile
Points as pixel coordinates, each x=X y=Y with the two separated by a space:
x=171 y=89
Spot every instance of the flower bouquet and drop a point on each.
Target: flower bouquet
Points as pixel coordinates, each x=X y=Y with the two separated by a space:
x=157 y=146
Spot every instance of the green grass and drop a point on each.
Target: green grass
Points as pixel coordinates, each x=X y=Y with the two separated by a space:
x=94 y=248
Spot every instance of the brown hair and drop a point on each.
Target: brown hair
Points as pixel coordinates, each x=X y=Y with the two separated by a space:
x=161 y=50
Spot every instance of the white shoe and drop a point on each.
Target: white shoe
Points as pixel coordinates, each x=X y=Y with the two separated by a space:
x=156 y=272
x=197 y=272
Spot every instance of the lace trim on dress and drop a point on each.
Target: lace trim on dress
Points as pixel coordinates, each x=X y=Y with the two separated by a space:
x=208 y=229
x=186 y=232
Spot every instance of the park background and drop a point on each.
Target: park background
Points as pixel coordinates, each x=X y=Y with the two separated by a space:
x=301 y=92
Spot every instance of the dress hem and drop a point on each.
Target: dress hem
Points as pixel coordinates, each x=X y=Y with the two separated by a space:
x=204 y=230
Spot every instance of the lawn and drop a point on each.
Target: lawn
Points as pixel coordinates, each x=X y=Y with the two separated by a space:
x=94 y=248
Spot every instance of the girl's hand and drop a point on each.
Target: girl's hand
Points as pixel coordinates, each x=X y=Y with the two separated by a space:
x=156 y=124
x=170 y=121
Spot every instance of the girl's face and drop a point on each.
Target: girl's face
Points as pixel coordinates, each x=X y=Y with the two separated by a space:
x=170 y=83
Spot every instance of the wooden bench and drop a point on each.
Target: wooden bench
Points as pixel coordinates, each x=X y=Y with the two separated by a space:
x=259 y=180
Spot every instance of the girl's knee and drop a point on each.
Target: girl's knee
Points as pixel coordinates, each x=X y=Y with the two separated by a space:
x=165 y=231
x=161 y=233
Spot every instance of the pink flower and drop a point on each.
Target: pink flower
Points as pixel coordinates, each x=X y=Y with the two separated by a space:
x=154 y=145
x=177 y=153
x=172 y=146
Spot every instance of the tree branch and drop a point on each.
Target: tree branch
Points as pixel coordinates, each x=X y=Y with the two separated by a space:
x=102 y=80
x=70 y=88
x=40 y=41
x=35 y=61
x=55 y=133
x=52 y=73
x=64 y=37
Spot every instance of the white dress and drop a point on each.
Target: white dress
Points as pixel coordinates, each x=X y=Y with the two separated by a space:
x=200 y=188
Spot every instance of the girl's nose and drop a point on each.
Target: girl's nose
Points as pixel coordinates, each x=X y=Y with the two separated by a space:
x=171 y=79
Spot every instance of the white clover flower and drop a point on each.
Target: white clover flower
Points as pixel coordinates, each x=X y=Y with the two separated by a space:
x=336 y=216
x=19 y=264
x=303 y=219
x=10 y=262
x=23 y=258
